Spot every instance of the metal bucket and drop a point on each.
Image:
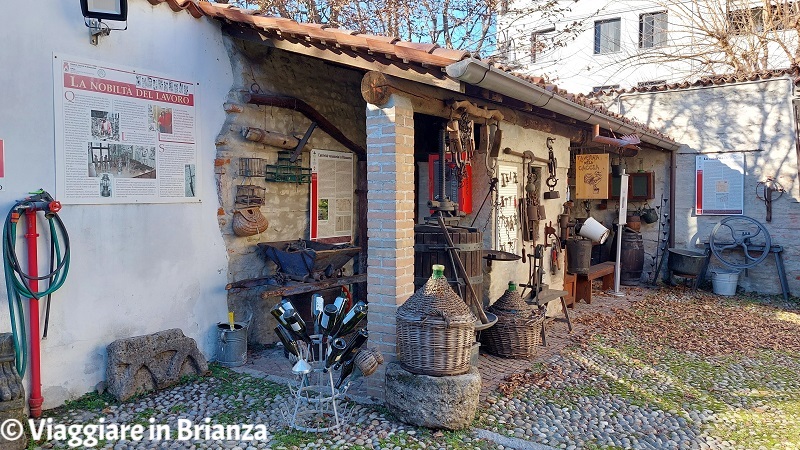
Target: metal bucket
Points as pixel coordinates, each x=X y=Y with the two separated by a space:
x=232 y=344
x=579 y=256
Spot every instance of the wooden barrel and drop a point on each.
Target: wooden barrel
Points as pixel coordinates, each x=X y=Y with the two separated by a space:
x=631 y=259
x=430 y=247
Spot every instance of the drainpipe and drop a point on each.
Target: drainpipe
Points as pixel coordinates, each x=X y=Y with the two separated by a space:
x=478 y=73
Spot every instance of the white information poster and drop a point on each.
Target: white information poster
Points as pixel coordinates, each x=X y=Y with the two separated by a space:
x=123 y=135
x=331 y=196
x=719 y=188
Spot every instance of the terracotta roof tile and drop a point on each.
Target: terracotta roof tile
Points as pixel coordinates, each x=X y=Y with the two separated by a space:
x=179 y=5
x=792 y=72
x=326 y=36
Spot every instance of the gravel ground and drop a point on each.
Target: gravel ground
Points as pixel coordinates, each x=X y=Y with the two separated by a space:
x=680 y=373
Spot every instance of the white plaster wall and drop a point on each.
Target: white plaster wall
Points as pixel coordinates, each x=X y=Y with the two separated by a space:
x=136 y=269
x=755 y=118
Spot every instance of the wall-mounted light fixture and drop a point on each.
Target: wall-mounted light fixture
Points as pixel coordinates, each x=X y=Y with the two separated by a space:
x=96 y=11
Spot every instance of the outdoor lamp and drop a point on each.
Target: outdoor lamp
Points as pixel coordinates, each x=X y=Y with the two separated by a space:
x=96 y=11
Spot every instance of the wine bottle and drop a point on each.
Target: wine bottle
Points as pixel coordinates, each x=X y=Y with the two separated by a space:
x=335 y=351
x=296 y=325
x=327 y=319
x=317 y=304
x=347 y=369
x=280 y=309
x=352 y=347
x=288 y=341
x=352 y=318
x=339 y=303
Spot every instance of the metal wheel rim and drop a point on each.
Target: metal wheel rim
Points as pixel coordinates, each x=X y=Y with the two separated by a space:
x=717 y=247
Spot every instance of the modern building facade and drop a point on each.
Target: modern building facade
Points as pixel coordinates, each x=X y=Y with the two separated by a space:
x=590 y=46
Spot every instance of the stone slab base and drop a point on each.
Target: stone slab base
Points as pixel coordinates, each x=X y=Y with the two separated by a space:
x=433 y=402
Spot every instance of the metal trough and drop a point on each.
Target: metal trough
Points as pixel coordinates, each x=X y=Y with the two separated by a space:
x=305 y=260
x=686 y=262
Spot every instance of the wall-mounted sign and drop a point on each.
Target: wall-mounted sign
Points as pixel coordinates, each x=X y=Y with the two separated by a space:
x=331 y=196
x=719 y=188
x=591 y=176
x=123 y=135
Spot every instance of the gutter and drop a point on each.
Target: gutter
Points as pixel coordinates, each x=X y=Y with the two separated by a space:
x=478 y=73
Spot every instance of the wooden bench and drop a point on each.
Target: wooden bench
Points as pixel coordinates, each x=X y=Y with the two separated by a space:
x=583 y=285
x=543 y=299
x=569 y=286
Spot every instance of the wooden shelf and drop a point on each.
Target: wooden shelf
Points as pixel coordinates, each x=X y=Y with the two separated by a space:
x=293 y=287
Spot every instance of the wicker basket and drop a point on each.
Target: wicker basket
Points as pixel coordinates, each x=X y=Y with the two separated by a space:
x=517 y=333
x=435 y=331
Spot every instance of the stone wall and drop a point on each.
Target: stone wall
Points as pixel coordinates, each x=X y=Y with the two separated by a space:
x=752 y=118
x=331 y=90
x=657 y=162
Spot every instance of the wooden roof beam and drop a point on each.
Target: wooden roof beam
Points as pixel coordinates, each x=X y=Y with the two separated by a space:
x=377 y=87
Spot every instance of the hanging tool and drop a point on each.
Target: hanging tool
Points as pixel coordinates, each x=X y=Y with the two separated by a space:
x=552 y=181
x=554 y=263
x=26 y=284
x=764 y=191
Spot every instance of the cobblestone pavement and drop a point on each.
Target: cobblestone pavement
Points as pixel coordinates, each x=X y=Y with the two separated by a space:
x=587 y=390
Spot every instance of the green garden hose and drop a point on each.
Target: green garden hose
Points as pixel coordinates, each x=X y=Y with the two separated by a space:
x=17 y=280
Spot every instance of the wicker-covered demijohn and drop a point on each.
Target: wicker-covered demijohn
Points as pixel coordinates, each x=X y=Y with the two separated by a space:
x=517 y=333
x=435 y=330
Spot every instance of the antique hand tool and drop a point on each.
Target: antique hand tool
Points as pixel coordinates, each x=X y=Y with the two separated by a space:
x=764 y=191
x=552 y=181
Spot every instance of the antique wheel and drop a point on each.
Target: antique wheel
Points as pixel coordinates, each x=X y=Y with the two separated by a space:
x=740 y=233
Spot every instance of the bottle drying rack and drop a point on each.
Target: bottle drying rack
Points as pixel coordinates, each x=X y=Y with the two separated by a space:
x=316 y=395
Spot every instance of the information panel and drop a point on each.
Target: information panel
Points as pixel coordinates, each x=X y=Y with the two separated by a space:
x=123 y=135
x=331 y=196
x=719 y=188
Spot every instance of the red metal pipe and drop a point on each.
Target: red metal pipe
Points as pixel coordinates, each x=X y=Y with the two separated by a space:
x=36 y=400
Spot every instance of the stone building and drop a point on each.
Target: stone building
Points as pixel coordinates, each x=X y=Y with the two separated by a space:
x=395 y=96
x=140 y=267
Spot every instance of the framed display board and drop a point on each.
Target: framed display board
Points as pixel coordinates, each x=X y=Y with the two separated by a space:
x=719 y=184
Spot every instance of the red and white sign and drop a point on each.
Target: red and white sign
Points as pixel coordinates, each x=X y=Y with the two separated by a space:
x=719 y=184
x=331 y=200
x=123 y=135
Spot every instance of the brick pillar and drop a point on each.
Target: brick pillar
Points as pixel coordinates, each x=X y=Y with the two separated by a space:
x=390 y=224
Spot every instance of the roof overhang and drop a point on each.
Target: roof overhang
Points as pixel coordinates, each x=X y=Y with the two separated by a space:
x=481 y=74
